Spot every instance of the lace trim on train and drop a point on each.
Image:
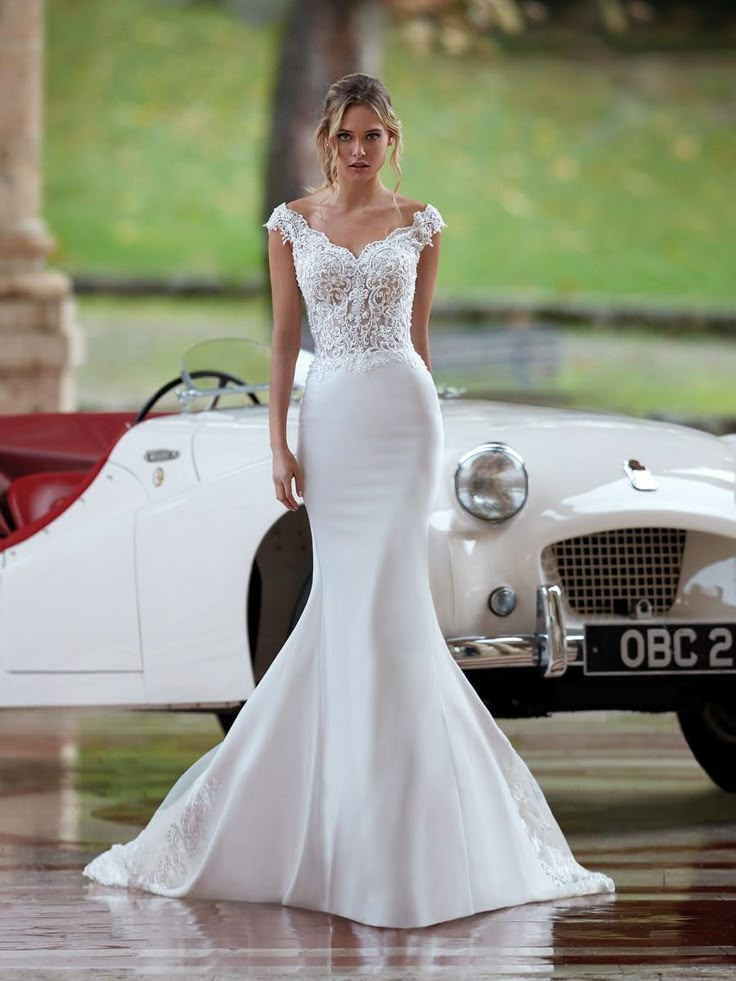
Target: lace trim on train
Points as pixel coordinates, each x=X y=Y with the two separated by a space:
x=556 y=861
x=184 y=845
x=186 y=838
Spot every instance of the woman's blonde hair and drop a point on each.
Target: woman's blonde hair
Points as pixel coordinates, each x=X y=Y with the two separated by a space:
x=354 y=90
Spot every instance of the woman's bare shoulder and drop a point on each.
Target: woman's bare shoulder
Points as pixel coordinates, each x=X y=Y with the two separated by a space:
x=303 y=206
x=409 y=206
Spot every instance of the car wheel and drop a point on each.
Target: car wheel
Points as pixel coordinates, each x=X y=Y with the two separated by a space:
x=710 y=731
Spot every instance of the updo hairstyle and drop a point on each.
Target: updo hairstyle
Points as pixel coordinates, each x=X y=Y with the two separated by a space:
x=354 y=90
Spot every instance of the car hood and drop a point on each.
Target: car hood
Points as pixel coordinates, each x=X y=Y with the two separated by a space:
x=575 y=463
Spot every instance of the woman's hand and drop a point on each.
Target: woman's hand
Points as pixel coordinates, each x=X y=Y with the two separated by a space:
x=285 y=467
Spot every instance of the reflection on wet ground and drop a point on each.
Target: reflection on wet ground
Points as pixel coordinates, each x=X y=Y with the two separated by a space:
x=624 y=788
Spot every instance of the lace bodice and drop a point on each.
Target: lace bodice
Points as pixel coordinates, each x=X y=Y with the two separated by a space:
x=358 y=307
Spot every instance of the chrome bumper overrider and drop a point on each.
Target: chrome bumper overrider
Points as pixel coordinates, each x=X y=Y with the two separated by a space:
x=549 y=648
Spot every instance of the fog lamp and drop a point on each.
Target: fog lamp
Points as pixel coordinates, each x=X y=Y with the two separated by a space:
x=502 y=601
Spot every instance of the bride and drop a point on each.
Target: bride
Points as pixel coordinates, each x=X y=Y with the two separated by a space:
x=364 y=776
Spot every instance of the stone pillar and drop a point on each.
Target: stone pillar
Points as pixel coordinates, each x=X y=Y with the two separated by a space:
x=39 y=339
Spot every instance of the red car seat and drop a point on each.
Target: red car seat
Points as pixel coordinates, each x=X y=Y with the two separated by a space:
x=32 y=496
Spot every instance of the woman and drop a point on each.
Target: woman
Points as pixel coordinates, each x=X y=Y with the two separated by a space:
x=363 y=776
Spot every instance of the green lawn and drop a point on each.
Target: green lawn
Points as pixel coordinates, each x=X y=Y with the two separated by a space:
x=130 y=760
x=574 y=175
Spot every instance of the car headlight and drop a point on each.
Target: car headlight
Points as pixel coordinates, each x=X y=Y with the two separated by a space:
x=491 y=482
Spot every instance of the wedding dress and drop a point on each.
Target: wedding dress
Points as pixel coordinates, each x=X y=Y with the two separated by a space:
x=363 y=776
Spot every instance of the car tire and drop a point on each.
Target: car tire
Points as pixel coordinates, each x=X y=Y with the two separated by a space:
x=710 y=731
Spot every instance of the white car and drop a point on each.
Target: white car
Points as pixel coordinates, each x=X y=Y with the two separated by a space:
x=578 y=560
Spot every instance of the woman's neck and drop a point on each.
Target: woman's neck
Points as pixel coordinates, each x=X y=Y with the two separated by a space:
x=347 y=198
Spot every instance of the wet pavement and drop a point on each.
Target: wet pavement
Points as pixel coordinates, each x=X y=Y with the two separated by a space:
x=624 y=787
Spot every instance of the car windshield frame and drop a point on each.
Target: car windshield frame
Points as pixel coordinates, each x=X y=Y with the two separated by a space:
x=196 y=360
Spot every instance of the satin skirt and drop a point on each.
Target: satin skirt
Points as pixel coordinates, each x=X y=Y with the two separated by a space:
x=363 y=777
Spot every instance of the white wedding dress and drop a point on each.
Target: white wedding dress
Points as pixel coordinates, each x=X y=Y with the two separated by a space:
x=363 y=776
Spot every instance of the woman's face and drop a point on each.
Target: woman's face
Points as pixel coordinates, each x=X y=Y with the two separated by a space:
x=362 y=141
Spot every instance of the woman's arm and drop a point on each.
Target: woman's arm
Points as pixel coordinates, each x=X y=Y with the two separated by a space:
x=285 y=343
x=429 y=261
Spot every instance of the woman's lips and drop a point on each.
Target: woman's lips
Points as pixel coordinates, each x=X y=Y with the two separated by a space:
x=359 y=166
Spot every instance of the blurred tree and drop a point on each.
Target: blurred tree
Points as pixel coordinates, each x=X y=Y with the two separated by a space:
x=322 y=40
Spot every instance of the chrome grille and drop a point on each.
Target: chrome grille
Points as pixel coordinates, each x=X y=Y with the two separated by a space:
x=608 y=572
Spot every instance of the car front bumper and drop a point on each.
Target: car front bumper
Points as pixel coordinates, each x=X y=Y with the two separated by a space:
x=550 y=649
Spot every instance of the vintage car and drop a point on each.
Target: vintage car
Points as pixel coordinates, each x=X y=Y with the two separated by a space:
x=578 y=560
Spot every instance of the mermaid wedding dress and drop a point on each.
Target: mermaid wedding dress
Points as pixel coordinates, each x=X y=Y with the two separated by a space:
x=363 y=776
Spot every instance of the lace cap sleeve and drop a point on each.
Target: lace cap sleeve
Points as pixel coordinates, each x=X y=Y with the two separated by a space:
x=284 y=221
x=429 y=222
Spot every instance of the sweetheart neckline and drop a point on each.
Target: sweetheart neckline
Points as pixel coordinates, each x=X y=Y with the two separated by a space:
x=344 y=248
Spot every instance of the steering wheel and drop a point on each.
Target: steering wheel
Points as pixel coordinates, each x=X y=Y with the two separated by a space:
x=223 y=377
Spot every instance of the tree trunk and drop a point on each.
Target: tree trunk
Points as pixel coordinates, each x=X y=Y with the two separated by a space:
x=322 y=40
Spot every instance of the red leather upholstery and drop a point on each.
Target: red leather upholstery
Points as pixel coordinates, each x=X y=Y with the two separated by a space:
x=36 y=494
x=54 y=441
x=30 y=529
x=47 y=460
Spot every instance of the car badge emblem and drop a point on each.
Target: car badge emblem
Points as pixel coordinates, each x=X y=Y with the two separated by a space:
x=641 y=479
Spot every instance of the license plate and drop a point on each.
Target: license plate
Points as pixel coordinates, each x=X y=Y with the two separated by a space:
x=673 y=648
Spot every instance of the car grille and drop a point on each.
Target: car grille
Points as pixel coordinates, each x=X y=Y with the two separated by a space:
x=608 y=572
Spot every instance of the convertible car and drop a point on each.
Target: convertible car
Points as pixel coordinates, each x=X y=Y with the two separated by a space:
x=578 y=560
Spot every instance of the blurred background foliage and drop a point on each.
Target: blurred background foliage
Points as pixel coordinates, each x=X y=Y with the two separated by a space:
x=575 y=150
x=592 y=172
